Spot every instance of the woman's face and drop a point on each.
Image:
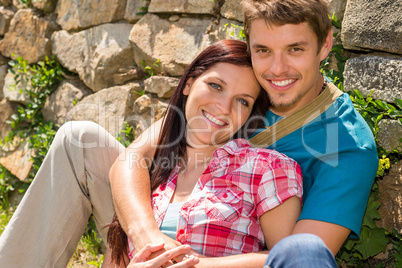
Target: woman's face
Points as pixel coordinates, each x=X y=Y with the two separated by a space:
x=219 y=103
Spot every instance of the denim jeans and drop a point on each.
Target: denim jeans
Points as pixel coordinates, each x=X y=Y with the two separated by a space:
x=300 y=250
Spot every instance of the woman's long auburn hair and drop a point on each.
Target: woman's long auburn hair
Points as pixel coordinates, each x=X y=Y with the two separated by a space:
x=172 y=142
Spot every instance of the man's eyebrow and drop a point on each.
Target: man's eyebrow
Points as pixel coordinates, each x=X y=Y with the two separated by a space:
x=258 y=46
x=298 y=44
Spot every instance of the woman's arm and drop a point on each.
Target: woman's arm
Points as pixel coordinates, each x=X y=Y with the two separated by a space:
x=129 y=179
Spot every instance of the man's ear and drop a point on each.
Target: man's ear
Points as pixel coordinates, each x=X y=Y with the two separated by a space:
x=327 y=46
x=187 y=88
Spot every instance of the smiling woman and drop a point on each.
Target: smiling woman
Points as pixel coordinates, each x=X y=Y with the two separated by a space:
x=207 y=189
x=217 y=104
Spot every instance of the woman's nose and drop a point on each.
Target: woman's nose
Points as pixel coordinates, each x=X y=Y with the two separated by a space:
x=224 y=103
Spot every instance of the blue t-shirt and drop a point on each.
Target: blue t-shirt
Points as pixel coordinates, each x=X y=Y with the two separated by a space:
x=338 y=157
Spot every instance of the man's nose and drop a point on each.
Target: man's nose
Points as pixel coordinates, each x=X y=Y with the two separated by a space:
x=279 y=65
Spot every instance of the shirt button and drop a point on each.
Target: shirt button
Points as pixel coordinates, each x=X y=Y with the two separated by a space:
x=184 y=208
x=181 y=231
x=225 y=195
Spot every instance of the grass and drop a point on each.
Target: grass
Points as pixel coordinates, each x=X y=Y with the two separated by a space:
x=88 y=253
x=89 y=250
x=6 y=212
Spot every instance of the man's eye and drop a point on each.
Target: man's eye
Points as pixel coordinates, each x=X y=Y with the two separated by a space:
x=243 y=102
x=262 y=50
x=296 y=49
x=215 y=86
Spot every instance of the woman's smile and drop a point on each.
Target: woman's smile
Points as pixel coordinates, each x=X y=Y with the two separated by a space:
x=214 y=120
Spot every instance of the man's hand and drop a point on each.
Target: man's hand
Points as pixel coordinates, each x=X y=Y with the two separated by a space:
x=140 y=259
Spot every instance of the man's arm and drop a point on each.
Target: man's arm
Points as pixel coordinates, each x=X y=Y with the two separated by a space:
x=276 y=224
x=129 y=178
x=332 y=234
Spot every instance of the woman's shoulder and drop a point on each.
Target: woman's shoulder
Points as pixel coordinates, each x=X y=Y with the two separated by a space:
x=243 y=148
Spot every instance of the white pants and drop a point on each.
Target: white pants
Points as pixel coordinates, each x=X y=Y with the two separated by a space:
x=71 y=184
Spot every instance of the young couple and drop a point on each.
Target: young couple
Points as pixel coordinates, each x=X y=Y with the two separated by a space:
x=241 y=198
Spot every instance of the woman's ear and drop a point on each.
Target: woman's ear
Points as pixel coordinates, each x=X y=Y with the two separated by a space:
x=186 y=89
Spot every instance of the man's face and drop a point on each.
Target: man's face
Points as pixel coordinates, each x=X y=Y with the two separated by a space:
x=286 y=62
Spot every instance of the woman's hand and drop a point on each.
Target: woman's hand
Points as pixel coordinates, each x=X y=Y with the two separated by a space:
x=157 y=237
x=140 y=259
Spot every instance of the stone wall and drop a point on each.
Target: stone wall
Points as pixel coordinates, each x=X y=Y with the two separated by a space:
x=109 y=44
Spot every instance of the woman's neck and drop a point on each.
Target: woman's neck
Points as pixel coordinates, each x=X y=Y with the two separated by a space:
x=196 y=158
x=192 y=166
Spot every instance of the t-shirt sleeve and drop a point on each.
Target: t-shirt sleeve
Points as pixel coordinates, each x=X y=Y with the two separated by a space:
x=281 y=179
x=340 y=192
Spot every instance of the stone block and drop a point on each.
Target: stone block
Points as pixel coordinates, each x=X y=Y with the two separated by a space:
x=161 y=85
x=382 y=75
x=78 y=15
x=7 y=109
x=174 y=44
x=134 y=10
x=373 y=25
x=28 y=37
x=5 y=18
x=232 y=10
x=18 y=159
x=62 y=100
x=390 y=134
x=109 y=107
x=182 y=6
x=96 y=54
x=15 y=92
x=391 y=199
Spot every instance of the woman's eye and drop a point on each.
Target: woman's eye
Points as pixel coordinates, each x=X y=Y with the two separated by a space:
x=243 y=102
x=215 y=86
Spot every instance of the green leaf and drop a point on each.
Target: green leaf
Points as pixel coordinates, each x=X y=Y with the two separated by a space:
x=371 y=213
x=337 y=48
x=336 y=24
x=373 y=241
x=395 y=114
x=358 y=94
x=350 y=243
x=390 y=106
x=398 y=102
x=381 y=104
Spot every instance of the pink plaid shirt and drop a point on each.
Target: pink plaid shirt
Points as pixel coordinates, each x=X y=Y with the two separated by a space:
x=241 y=183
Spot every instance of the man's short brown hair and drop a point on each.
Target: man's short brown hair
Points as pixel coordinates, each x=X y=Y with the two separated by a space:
x=281 y=12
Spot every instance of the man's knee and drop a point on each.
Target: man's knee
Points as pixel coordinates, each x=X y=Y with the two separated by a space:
x=303 y=242
x=301 y=250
